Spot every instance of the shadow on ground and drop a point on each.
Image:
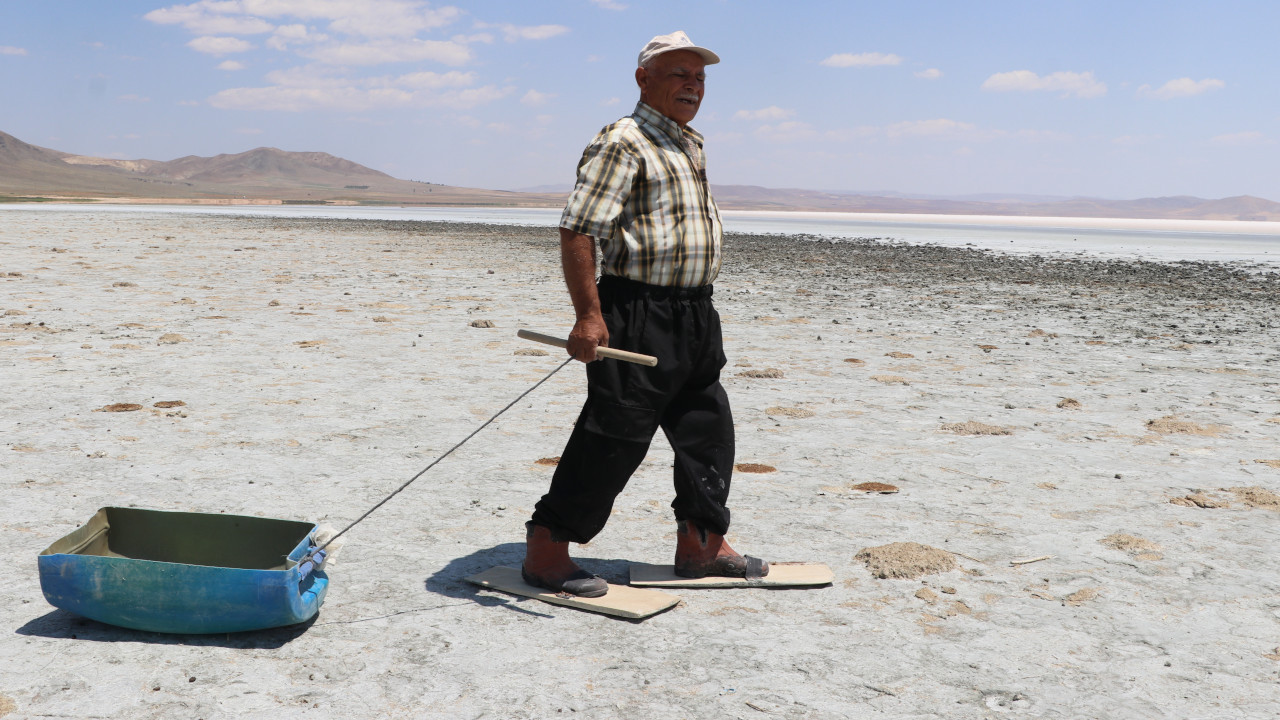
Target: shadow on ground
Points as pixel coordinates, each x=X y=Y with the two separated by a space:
x=450 y=580
x=62 y=625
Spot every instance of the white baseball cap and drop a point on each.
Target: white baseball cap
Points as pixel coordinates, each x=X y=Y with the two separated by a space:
x=677 y=40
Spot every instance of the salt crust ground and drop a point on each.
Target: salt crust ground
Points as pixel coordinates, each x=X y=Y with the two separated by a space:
x=322 y=363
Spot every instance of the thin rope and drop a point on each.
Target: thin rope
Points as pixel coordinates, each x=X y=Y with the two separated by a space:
x=475 y=432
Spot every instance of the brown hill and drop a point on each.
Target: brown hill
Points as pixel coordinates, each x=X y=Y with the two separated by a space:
x=264 y=174
x=750 y=197
x=264 y=164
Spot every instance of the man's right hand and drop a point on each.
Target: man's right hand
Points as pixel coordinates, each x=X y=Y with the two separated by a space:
x=588 y=333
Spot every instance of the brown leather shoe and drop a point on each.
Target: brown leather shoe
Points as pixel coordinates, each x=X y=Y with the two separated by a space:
x=700 y=553
x=547 y=565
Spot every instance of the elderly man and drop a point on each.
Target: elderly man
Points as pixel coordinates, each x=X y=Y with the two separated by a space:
x=642 y=194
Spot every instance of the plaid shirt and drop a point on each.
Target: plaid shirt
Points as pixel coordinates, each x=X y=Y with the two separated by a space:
x=642 y=193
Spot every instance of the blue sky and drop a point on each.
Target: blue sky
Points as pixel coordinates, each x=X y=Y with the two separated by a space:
x=1118 y=99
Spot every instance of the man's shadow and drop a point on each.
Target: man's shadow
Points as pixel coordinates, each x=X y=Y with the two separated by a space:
x=450 y=580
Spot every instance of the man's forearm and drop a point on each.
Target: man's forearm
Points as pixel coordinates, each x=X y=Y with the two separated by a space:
x=578 y=258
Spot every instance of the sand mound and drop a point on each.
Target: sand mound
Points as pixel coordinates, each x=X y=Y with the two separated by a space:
x=771 y=373
x=974 y=427
x=1258 y=497
x=754 y=468
x=1081 y=596
x=988 y=348
x=876 y=487
x=1199 y=500
x=531 y=352
x=171 y=339
x=483 y=324
x=552 y=461
x=1069 y=404
x=790 y=412
x=1269 y=463
x=1171 y=425
x=120 y=407
x=855 y=361
x=1133 y=545
x=899 y=355
x=890 y=379
x=906 y=560
x=169 y=404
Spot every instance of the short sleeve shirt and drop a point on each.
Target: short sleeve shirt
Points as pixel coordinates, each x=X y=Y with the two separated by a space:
x=642 y=193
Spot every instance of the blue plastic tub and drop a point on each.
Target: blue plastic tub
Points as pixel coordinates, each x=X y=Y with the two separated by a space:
x=180 y=572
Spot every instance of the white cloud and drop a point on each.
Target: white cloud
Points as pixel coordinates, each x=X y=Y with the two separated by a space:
x=611 y=102
x=870 y=59
x=786 y=132
x=219 y=45
x=930 y=74
x=10 y=50
x=609 y=4
x=772 y=113
x=210 y=18
x=928 y=128
x=363 y=18
x=1241 y=139
x=295 y=34
x=513 y=33
x=312 y=88
x=1182 y=87
x=1082 y=85
x=533 y=98
x=231 y=65
x=390 y=51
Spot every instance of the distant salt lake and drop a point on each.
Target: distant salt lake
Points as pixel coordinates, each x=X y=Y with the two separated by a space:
x=1159 y=240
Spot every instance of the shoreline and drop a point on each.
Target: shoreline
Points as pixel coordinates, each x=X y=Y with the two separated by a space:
x=1261 y=252
x=1178 y=225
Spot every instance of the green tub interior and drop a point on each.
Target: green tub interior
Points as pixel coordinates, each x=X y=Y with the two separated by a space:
x=225 y=541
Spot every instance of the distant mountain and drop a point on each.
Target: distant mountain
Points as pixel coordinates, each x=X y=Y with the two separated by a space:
x=263 y=174
x=269 y=175
x=751 y=197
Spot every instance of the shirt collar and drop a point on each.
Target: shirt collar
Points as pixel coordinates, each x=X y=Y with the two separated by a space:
x=648 y=116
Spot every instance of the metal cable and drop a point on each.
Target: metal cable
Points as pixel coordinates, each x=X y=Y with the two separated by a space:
x=310 y=555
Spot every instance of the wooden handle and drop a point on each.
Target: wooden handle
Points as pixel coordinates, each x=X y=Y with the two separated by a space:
x=604 y=352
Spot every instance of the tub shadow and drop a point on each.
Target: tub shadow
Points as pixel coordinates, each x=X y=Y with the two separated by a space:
x=62 y=625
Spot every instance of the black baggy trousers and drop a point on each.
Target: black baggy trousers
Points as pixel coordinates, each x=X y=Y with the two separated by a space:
x=627 y=403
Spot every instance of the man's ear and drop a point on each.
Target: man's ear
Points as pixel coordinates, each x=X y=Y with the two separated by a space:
x=641 y=78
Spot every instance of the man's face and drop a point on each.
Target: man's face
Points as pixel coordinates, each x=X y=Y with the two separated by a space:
x=673 y=84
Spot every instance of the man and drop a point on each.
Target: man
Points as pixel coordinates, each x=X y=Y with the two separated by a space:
x=642 y=193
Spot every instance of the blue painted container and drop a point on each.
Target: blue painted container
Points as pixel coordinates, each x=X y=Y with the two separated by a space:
x=180 y=572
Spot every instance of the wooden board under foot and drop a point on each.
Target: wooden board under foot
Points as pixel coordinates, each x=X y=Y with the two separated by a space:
x=781 y=574
x=620 y=601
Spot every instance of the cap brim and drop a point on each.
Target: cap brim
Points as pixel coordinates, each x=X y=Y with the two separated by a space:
x=708 y=57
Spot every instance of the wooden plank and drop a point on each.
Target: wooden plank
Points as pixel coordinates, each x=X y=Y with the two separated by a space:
x=781 y=574
x=620 y=601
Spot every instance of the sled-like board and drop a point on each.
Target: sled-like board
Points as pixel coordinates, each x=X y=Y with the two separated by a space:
x=781 y=574
x=621 y=600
